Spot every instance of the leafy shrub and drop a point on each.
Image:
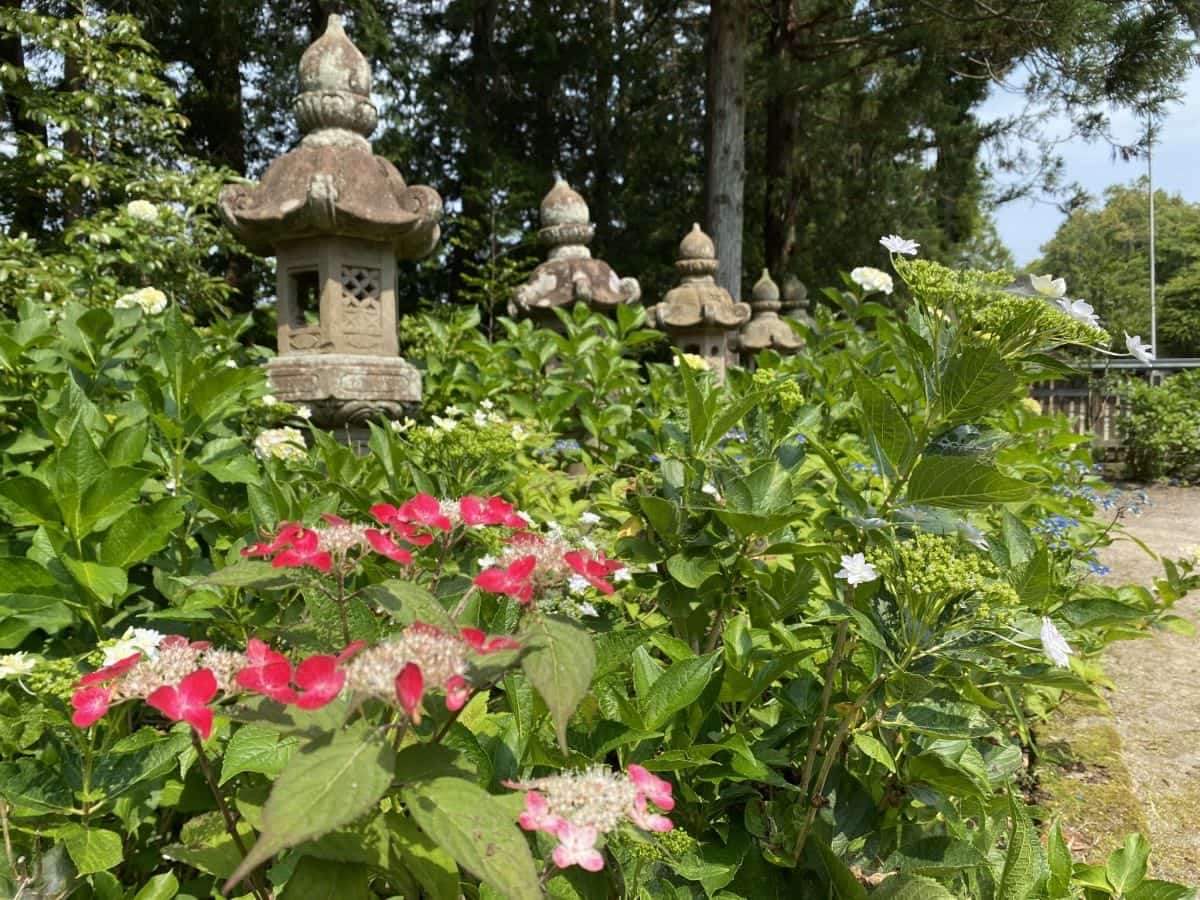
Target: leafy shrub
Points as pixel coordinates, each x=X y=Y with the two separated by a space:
x=1160 y=426
x=847 y=582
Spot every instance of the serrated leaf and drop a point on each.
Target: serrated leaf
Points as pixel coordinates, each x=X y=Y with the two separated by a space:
x=958 y=482
x=888 y=431
x=91 y=849
x=408 y=602
x=256 y=748
x=141 y=532
x=559 y=665
x=1126 y=867
x=1019 y=876
x=911 y=887
x=326 y=785
x=478 y=832
x=432 y=867
x=678 y=687
x=938 y=855
x=872 y=747
x=1058 y=858
x=975 y=382
x=247 y=573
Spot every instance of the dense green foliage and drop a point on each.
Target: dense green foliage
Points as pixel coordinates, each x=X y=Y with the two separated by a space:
x=1104 y=253
x=1159 y=437
x=821 y=737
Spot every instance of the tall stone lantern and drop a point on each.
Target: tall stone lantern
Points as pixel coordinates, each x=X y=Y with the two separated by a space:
x=336 y=217
x=570 y=274
x=698 y=314
x=766 y=330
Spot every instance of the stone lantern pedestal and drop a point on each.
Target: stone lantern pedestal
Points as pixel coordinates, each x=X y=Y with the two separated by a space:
x=337 y=217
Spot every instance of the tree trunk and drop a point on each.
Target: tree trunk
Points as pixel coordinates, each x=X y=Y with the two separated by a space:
x=781 y=205
x=73 y=143
x=725 y=144
x=28 y=211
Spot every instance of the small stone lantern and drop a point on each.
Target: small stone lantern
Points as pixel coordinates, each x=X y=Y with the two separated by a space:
x=336 y=217
x=698 y=314
x=794 y=302
x=569 y=275
x=766 y=330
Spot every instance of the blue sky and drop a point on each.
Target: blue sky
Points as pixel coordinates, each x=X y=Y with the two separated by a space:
x=1026 y=224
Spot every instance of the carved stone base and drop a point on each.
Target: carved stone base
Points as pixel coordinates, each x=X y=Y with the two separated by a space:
x=343 y=389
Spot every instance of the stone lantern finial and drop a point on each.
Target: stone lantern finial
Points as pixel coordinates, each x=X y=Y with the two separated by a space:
x=766 y=329
x=570 y=274
x=699 y=315
x=336 y=217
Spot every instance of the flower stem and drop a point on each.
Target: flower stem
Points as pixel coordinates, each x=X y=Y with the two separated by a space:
x=254 y=878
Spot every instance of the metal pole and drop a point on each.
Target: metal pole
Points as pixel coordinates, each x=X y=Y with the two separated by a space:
x=1153 y=280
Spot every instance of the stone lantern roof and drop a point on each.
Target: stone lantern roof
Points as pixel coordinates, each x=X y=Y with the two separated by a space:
x=332 y=183
x=570 y=274
x=766 y=329
x=697 y=301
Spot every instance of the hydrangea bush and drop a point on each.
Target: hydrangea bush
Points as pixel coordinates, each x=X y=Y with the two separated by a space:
x=590 y=626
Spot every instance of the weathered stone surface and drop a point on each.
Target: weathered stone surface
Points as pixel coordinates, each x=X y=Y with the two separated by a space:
x=698 y=314
x=766 y=330
x=336 y=217
x=570 y=275
x=345 y=388
x=332 y=183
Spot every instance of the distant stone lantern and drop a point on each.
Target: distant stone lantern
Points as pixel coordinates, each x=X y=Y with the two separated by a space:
x=794 y=303
x=766 y=330
x=336 y=217
x=570 y=274
x=698 y=314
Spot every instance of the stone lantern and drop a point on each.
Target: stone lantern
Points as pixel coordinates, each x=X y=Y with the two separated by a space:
x=794 y=303
x=569 y=275
x=766 y=330
x=336 y=217
x=698 y=314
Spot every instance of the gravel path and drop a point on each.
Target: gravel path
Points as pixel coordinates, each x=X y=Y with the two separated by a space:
x=1157 y=698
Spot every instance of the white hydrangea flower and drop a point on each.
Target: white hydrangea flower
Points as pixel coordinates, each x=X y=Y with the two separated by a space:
x=135 y=640
x=893 y=243
x=231 y=364
x=692 y=361
x=17 y=664
x=589 y=518
x=280 y=443
x=487 y=561
x=1049 y=286
x=518 y=432
x=711 y=489
x=170 y=486
x=856 y=570
x=150 y=300
x=452 y=411
x=1055 y=645
x=1138 y=350
x=487 y=404
x=586 y=609
x=480 y=418
x=871 y=280
x=577 y=584
x=304 y=412
x=444 y=424
x=142 y=210
x=622 y=575
x=1080 y=310
x=269 y=400
x=402 y=425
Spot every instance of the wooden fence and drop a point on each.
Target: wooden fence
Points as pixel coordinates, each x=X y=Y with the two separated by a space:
x=1091 y=409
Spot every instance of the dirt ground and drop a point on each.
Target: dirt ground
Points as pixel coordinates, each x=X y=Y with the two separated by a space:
x=1157 y=700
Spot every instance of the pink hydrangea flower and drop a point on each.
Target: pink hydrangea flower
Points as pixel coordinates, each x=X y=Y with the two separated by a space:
x=577 y=847
x=188 y=701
